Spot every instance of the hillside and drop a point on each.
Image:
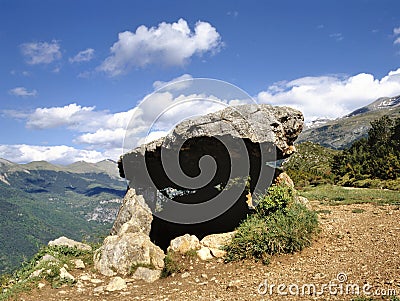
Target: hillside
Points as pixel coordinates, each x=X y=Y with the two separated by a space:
x=342 y=132
x=40 y=201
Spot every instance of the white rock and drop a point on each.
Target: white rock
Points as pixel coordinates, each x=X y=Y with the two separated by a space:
x=64 y=241
x=96 y=281
x=79 y=264
x=217 y=252
x=204 y=253
x=184 y=243
x=41 y=285
x=65 y=275
x=119 y=253
x=36 y=273
x=217 y=241
x=116 y=284
x=146 y=274
x=185 y=275
x=85 y=278
x=99 y=289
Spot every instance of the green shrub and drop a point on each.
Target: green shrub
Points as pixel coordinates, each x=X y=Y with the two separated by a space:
x=277 y=198
x=279 y=226
x=171 y=265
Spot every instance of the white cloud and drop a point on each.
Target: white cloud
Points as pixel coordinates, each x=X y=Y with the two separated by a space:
x=60 y=154
x=170 y=44
x=71 y=115
x=106 y=138
x=183 y=79
x=338 y=36
x=41 y=52
x=397 y=41
x=396 y=31
x=331 y=96
x=83 y=56
x=22 y=91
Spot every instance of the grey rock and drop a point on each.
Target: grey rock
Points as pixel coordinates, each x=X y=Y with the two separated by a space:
x=133 y=216
x=262 y=123
x=146 y=274
x=64 y=241
x=116 y=284
x=119 y=253
x=79 y=264
x=65 y=275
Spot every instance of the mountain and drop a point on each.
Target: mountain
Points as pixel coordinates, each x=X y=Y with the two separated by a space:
x=342 y=132
x=40 y=201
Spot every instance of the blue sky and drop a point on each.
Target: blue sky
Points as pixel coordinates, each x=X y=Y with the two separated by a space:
x=73 y=71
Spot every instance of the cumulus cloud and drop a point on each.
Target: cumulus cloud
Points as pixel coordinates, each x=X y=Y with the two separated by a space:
x=331 y=96
x=83 y=56
x=180 y=83
x=22 y=91
x=41 y=52
x=396 y=31
x=71 y=115
x=60 y=154
x=169 y=44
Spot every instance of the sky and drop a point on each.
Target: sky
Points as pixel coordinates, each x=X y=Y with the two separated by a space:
x=74 y=73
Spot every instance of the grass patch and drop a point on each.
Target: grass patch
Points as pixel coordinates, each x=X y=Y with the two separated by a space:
x=279 y=226
x=171 y=265
x=337 y=195
x=357 y=210
x=35 y=270
x=135 y=266
x=324 y=211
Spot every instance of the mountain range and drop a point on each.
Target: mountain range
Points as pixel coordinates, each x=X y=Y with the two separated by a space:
x=342 y=132
x=40 y=201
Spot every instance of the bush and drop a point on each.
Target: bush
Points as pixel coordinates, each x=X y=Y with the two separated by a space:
x=171 y=265
x=279 y=226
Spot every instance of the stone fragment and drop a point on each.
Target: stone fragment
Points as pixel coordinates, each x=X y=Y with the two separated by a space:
x=184 y=243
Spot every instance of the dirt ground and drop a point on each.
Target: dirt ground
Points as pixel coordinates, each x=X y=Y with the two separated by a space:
x=358 y=247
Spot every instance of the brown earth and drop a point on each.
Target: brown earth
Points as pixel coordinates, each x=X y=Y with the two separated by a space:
x=359 y=244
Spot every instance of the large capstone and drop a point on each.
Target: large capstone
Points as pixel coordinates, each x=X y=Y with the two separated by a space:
x=200 y=178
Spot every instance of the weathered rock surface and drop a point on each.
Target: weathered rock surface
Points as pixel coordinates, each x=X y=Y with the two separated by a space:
x=119 y=253
x=133 y=216
x=64 y=274
x=185 y=243
x=64 y=241
x=217 y=240
x=116 y=284
x=204 y=253
x=146 y=274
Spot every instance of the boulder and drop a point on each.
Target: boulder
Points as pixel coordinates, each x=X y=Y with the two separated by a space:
x=217 y=240
x=65 y=275
x=64 y=241
x=204 y=253
x=119 y=253
x=116 y=284
x=283 y=178
x=185 y=243
x=133 y=216
x=146 y=274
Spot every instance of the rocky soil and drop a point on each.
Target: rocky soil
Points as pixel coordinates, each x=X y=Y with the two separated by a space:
x=358 y=246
